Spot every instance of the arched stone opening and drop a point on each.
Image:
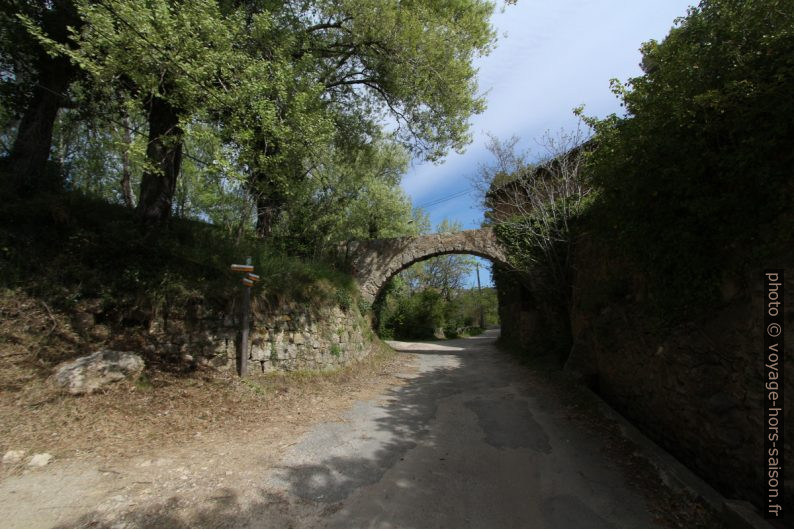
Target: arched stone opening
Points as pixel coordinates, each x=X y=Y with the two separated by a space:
x=374 y=262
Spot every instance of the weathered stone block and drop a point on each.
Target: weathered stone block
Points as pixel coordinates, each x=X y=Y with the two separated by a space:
x=89 y=373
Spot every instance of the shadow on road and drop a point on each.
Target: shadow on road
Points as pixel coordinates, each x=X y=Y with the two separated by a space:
x=315 y=491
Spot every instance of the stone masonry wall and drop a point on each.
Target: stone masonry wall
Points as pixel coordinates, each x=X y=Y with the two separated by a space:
x=695 y=388
x=295 y=338
x=284 y=335
x=373 y=262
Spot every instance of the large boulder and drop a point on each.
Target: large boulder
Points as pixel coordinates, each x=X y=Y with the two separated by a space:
x=89 y=373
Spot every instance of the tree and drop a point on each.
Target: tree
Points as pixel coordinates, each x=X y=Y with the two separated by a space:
x=410 y=60
x=179 y=60
x=35 y=83
x=506 y=166
x=349 y=195
x=698 y=166
x=447 y=273
x=533 y=206
x=98 y=156
x=280 y=81
x=176 y=62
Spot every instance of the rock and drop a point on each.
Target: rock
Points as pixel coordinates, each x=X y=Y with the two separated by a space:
x=100 y=332
x=260 y=352
x=40 y=460
x=12 y=457
x=721 y=402
x=221 y=360
x=89 y=373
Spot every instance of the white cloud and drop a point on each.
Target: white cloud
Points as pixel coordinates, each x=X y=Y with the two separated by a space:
x=556 y=56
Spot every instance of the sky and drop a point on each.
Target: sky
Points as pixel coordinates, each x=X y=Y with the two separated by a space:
x=550 y=58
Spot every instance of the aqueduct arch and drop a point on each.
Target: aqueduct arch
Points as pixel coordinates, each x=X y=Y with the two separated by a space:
x=375 y=261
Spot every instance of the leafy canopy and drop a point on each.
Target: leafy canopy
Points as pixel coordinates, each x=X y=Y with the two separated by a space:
x=698 y=167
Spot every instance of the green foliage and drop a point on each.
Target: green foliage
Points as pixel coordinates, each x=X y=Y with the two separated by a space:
x=348 y=196
x=344 y=298
x=419 y=315
x=336 y=350
x=270 y=90
x=364 y=306
x=519 y=238
x=422 y=313
x=406 y=312
x=143 y=383
x=695 y=180
x=77 y=247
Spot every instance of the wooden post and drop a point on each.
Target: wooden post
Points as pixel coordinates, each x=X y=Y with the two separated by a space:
x=242 y=359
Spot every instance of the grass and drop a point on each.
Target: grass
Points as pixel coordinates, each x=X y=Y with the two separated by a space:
x=68 y=247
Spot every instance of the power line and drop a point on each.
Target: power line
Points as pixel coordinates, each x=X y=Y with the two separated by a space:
x=443 y=199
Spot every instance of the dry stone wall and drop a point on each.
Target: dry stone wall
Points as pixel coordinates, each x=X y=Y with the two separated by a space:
x=295 y=338
x=284 y=335
x=696 y=388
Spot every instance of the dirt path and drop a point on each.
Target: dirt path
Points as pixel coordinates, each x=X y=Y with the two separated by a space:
x=176 y=483
x=460 y=437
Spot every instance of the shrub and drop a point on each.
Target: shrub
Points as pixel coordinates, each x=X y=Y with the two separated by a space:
x=695 y=180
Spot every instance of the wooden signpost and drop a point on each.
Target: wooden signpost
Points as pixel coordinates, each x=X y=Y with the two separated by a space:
x=248 y=281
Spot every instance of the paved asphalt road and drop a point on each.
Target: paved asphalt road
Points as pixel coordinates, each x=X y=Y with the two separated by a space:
x=467 y=442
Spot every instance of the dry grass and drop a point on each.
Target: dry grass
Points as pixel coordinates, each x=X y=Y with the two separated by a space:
x=162 y=409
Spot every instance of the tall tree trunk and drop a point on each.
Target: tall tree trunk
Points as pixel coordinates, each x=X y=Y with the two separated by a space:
x=164 y=154
x=268 y=206
x=126 y=174
x=269 y=200
x=27 y=162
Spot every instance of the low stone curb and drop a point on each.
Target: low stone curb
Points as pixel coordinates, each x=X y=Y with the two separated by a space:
x=735 y=514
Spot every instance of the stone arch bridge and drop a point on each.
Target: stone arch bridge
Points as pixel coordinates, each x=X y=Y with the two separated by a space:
x=374 y=262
